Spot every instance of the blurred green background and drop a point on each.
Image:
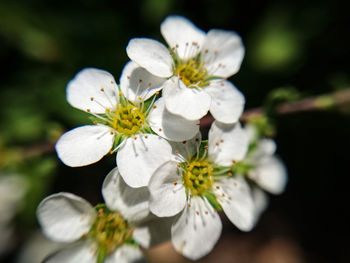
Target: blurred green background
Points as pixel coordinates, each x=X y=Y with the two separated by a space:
x=299 y=48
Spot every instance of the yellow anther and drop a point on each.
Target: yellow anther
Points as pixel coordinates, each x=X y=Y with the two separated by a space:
x=198 y=177
x=120 y=93
x=92 y=98
x=102 y=89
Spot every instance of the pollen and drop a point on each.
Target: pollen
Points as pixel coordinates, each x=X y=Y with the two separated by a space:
x=198 y=177
x=126 y=119
x=192 y=72
x=110 y=230
x=102 y=89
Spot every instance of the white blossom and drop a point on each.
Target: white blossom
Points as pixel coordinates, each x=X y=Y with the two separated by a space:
x=195 y=68
x=196 y=183
x=264 y=169
x=100 y=233
x=123 y=120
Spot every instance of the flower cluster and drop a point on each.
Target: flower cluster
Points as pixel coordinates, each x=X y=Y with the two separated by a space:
x=169 y=183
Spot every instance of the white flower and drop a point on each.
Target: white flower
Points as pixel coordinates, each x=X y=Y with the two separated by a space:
x=197 y=65
x=198 y=182
x=120 y=117
x=264 y=169
x=101 y=232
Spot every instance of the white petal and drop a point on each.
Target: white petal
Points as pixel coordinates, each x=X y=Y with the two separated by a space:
x=270 y=174
x=197 y=230
x=137 y=84
x=265 y=149
x=180 y=33
x=132 y=203
x=168 y=195
x=65 y=217
x=185 y=150
x=93 y=83
x=83 y=251
x=227 y=102
x=169 y=126
x=126 y=254
x=236 y=200
x=227 y=143
x=140 y=156
x=223 y=53
x=153 y=232
x=84 y=145
x=260 y=200
x=190 y=103
x=252 y=132
x=151 y=55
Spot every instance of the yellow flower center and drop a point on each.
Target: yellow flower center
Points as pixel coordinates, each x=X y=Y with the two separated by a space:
x=127 y=119
x=192 y=73
x=110 y=231
x=198 y=176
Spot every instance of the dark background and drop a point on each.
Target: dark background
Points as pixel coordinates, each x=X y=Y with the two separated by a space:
x=299 y=47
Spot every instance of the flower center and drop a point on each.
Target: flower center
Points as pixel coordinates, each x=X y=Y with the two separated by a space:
x=127 y=119
x=192 y=73
x=198 y=176
x=110 y=231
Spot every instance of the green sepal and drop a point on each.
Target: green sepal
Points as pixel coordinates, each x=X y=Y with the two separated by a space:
x=202 y=149
x=101 y=255
x=147 y=103
x=213 y=201
x=242 y=168
x=99 y=206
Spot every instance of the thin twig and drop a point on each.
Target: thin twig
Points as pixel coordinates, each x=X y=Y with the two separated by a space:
x=321 y=102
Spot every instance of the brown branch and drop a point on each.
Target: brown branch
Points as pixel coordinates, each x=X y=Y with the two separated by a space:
x=309 y=104
x=321 y=102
